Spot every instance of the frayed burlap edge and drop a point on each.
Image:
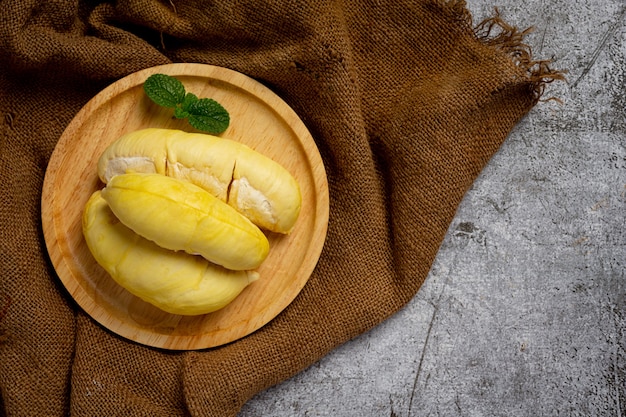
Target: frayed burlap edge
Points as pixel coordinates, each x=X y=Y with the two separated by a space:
x=495 y=32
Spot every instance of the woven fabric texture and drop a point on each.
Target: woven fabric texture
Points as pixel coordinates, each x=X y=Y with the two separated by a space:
x=407 y=101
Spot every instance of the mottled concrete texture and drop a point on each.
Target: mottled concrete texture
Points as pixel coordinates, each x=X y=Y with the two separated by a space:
x=524 y=311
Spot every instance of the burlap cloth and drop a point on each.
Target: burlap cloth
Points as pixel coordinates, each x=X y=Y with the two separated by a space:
x=407 y=101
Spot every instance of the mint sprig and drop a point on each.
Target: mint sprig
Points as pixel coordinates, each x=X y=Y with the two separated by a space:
x=202 y=113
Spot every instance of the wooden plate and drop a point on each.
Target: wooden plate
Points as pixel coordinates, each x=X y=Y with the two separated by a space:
x=259 y=119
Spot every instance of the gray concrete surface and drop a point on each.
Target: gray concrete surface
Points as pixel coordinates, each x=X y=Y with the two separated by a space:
x=524 y=311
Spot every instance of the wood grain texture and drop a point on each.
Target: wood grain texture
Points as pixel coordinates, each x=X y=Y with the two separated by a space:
x=261 y=120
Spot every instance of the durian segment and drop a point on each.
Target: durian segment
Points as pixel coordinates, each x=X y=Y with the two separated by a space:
x=175 y=282
x=140 y=151
x=255 y=185
x=178 y=215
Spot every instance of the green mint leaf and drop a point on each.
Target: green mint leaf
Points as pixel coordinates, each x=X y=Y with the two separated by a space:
x=203 y=114
x=208 y=115
x=189 y=98
x=180 y=113
x=164 y=90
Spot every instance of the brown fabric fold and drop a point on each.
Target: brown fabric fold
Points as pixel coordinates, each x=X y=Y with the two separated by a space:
x=406 y=100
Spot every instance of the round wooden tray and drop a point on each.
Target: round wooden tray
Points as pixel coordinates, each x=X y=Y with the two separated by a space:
x=259 y=119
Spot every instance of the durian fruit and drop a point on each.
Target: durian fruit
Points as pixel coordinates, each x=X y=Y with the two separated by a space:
x=255 y=185
x=180 y=216
x=174 y=281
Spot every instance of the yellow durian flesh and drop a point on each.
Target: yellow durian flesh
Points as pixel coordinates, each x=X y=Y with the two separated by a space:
x=204 y=160
x=141 y=151
x=255 y=185
x=270 y=196
x=175 y=282
x=178 y=215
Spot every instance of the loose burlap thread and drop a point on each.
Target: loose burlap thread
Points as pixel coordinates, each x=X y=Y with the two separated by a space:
x=407 y=102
